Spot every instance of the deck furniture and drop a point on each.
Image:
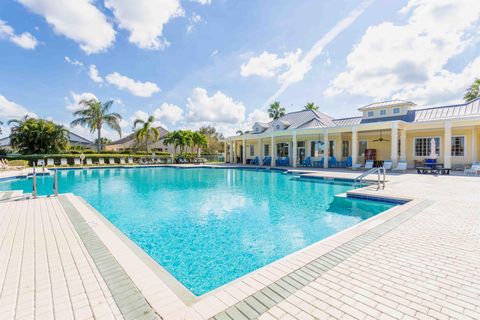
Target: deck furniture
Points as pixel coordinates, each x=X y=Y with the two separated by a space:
x=387 y=164
x=89 y=161
x=203 y=160
x=266 y=161
x=332 y=162
x=473 y=169
x=40 y=162
x=111 y=160
x=130 y=160
x=433 y=170
x=122 y=160
x=368 y=165
x=401 y=166
x=77 y=161
x=50 y=162
x=101 y=161
x=282 y=161
x=255 y=161
x=63 y=162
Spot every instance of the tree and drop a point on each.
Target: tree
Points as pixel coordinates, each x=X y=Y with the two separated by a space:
x=200 y=141
x=1 y=124
x=38 y=136
x=95 y=115
x=276 y=111
x=239 y=132
x=473 y=92
x=311 y=106
x=172 y=138
x=103 y=142
x=215 y=145
x=147 y=131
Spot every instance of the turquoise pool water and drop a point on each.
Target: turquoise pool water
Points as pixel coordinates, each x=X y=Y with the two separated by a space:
x=208 y=227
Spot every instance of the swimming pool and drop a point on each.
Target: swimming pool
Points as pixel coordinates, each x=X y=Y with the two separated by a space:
x=210 y=226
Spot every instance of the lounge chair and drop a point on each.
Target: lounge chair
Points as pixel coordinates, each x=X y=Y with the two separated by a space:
x=368 y=164
x=122 y=160
x=101 y=161
x=255 y=161
x=387 y=165
x=401 y=166
x=77 y=162
x=89 y=161
x=111 y=160
x=332 y=162
x=473 y=169
x=356 y=166
x=267 y=161
x=5 y=165
x=63 y=162
x=130 y=160
x=307 y=162
x=40 y=162
x=50 y=162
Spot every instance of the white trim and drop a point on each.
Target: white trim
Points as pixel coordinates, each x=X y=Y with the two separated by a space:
x=465 y=149
x=440 y=145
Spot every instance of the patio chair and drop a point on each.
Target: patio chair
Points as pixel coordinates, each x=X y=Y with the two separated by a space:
x=111 y=160
x=101 y=161
x=130 y=160
x=267 y=161
x=89 y=161
x=387 y=164
x=308 y=162
x=332 y=162
x=40 y=162
x=122 y=160
x=473 y=169
x=63 y=162
x=368 y=164
x=401 y=166
x=77 y=161
x=50 y=162
x=255 y=161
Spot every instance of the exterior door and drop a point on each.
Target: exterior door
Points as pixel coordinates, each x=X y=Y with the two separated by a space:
x=301 y=152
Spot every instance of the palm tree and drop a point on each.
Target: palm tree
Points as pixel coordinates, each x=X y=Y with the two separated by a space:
x=239 y=132
x=200 y=141
x=276 y=111
x=473 y=92
x=147 y=131
x=311 y=106
x=172 y=138
x=95 y=115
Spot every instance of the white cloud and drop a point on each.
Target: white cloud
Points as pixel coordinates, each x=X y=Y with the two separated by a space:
x=140 y=89
x=193 y=20
x=298 y=70
x=73 y=103
x=216 y=108
x=78 y=20
x=168 y=112
x=269 y=64
x=73 y=62
x=93 y=74
x=145 y=19
x=202 y=1
x=25 y=40
x=11 y=110
x=409 y=60
x=214 y=53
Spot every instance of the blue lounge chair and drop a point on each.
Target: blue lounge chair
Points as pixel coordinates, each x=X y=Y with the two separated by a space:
x=267 y=161
x=348 y=162
x=255 y=161
x=307 y=162
x=332 y=162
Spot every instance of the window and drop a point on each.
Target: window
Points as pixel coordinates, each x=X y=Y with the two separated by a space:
x=266 y=150
x=362 y=146
x=422 y=146
x=316 y=149
x=383 y=112
x=396 y=110
x=370 y=113
x=345 y=148
x=458 y=146
x=252 y=150
x=282 y=149
x=331 y=149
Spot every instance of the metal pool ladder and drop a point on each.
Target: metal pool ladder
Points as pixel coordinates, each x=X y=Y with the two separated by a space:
x=381 y=174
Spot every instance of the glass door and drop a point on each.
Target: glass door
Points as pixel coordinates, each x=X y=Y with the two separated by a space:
x=301 y=152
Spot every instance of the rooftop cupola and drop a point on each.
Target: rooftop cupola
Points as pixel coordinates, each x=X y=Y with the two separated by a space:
x=385 y=109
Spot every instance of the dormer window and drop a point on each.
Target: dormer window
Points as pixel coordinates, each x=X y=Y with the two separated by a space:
x=383 y=112
x=370 y=113
x=396 y=110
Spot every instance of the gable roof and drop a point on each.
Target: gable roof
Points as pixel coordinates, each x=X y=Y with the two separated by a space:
x=302 y=119
x=390 y=103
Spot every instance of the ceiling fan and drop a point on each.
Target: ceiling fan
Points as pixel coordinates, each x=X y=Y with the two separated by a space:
x=380 y=139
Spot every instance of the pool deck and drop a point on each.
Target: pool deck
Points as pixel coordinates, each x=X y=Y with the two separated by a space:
x=61 y=259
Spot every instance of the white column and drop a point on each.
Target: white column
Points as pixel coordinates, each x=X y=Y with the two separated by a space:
x=394 y=142
x=474 y=147
x=244 y=152
x=294 y=149
x=403 y=145
x=326 y=148
x=447 y=150
x=234 y=152
x=260 y=151
x=273 y=151
x=354 y=146
x=225 y=151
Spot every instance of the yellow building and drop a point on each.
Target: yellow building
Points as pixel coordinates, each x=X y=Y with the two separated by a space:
x=392 y=130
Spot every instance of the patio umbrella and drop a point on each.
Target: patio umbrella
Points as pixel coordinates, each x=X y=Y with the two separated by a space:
x=433 y=155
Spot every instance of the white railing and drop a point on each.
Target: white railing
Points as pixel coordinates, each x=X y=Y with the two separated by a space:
x=381 y=174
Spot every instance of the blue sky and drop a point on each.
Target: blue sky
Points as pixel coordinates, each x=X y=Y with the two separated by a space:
x=221 y=62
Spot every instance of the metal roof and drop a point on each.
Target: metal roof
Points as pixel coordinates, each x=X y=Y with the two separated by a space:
x=446 y=112
x=390 y=103
x=302 y=119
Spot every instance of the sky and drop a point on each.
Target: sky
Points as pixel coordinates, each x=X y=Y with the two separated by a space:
x=222 y=62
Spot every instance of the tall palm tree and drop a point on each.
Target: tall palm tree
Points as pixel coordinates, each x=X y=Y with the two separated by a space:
x=147 y=132
x=311 y=106
x=276 y=111
x=200 y=141
x=95 y=115
x=172 y=138
x=473 y=92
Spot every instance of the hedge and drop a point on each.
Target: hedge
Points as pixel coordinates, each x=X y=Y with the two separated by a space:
x=31 y=158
